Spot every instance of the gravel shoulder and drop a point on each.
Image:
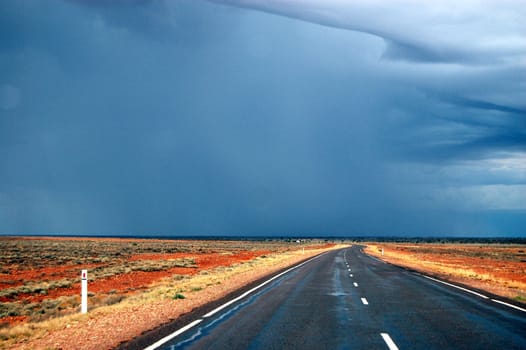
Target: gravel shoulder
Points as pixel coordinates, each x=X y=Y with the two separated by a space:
x=495 y=269
x=108 y=327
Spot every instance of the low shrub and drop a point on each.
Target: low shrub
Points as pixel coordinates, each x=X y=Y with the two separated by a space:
x=178 y=296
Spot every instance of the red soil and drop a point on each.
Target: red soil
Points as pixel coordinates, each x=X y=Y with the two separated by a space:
x=17 y=275
x=51 y=273
x=11 y=320
x=497 y=269
x=123 y=283
x=488 y=264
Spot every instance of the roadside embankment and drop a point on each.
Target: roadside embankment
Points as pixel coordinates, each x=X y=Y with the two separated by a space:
x=167 y=299
x=496 y=268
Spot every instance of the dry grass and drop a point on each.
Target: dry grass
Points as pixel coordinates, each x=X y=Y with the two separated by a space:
x=41 y=252
x=54 y=315
x=140 y=265
x=499 y=269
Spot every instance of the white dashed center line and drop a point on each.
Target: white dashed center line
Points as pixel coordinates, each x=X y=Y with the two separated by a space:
x=390 y=343
x=364 y=301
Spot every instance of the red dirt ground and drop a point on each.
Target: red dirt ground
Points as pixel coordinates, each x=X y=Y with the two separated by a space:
x=18 y=277
x=497 y=269
x=122 y=283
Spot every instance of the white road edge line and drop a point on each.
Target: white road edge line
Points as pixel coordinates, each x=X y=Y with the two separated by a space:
x=173 y=335
x=192 y=324
x=390 y=343
x=509 y=305
x=364 y=301
x=469 y=291
x=455 y=286
x=216 y=310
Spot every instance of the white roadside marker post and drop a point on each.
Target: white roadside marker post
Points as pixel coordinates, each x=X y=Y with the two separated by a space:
x=84 y=292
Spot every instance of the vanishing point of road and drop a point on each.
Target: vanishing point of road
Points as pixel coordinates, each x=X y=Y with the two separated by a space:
x=345 y=299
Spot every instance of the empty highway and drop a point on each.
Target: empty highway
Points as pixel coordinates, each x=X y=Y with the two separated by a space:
x=345 y=299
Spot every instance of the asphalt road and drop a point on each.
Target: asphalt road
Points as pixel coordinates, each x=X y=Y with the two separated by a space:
x=347 y=300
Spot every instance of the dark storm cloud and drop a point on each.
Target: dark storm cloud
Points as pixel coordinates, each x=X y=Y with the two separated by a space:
x=478 y=104
x=460 y=128
x=189 y=117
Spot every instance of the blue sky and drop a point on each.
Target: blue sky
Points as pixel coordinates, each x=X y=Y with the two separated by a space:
x=268 y=117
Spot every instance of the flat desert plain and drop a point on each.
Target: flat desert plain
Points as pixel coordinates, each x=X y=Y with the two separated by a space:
x=496 y=268
x=139 y=284
x=134 y=284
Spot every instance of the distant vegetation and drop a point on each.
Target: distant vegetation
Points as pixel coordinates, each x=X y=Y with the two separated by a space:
x=40 y=277
x=442 y=240
x=497 y=267
x=316 y=238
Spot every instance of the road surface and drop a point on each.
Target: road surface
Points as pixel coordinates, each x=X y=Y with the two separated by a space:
x=345 y=299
